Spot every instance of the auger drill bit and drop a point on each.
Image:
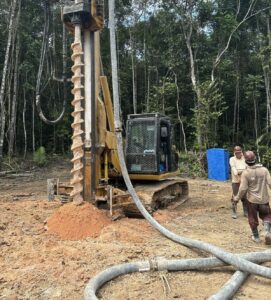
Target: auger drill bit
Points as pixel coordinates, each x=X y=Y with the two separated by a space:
x=77 y=142
x=83 y=18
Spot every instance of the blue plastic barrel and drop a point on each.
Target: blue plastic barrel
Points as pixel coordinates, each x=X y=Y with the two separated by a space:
x=218 y=164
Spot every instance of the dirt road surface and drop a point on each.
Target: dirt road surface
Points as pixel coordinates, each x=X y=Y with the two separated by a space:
x=36 y=264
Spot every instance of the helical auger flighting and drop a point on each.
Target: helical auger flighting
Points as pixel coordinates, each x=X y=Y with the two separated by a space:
x=77 y=142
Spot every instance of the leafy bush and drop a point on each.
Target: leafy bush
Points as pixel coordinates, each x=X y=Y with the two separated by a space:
x=193 y=164
x=265 y=153
x=40 y=157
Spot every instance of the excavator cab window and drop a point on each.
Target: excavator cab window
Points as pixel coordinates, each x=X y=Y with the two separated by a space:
x=148 y=144
x=141 y=138
x=137 y=145
x=140 y=146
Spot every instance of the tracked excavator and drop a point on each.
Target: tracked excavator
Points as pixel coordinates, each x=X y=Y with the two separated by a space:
x=151 y=160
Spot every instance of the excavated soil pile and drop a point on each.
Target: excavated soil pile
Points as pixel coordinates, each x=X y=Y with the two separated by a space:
x=71 y=222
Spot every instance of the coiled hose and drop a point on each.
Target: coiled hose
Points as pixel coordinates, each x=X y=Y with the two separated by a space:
x=161 y=264
x=238 y=262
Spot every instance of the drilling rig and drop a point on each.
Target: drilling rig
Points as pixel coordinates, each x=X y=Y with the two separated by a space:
x=96 y=172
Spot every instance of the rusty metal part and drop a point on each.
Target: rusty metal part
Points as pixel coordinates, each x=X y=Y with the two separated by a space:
x=77 y=144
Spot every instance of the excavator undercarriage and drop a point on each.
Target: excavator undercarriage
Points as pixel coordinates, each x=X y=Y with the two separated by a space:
x=154 y=195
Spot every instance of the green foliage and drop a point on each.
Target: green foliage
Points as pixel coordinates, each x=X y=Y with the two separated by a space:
x=193 y=164
x=265 y=152
x=163 y=97
x=265 y=53
x=39 y=157
x=158 y=31
x=264 y=142
x=254 y=84
x=225 y=23
x=209 y=108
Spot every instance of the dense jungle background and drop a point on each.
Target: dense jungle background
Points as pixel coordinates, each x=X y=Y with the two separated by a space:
x=204 y=63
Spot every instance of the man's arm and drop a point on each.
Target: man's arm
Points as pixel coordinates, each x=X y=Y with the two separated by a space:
x=233 y=168
x=268 y=179
x=243 y=187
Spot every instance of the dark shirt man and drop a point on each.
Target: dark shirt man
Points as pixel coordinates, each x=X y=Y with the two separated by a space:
x=255 y=181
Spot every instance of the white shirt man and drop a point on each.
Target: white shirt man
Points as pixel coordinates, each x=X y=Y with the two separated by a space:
x=238 y=165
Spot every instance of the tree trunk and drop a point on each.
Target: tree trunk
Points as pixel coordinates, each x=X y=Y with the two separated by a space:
x=148 y=92
x=163 y=96
x=133 y=73
x=145 y=57
x=256 y=125
x=267 y=80
x=24 y=127
x=236 y=111
x=3 y=82
x=33 y=126
x=194 y=80
x=12 y=130
x=180 y=121
x=266 y=72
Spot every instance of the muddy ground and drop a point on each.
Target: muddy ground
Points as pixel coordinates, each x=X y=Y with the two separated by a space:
x=36 y=264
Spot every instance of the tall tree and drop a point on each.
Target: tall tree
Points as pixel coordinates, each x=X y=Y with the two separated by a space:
x=4 y=73
x=12 y=129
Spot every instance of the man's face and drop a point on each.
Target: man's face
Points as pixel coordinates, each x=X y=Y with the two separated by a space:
x=238 y=154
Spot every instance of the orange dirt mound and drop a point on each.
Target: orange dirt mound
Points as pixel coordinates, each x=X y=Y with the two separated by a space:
x=71 y=222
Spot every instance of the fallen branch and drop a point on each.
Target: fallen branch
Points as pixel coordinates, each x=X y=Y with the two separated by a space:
x=4 y=173
x=20 y=175
x=23 y=195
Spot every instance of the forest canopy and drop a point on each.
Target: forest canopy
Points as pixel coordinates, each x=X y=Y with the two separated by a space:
x=205 y=64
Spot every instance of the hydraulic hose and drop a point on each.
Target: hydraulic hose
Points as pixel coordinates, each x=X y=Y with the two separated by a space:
x=43 y=118
x=111 y=273
x=161 y=264
x=227 y=257
x=230 y=287
x=41 y=63
x=239 y=262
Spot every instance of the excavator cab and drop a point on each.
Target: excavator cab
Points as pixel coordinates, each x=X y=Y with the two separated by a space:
x=149 y=146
